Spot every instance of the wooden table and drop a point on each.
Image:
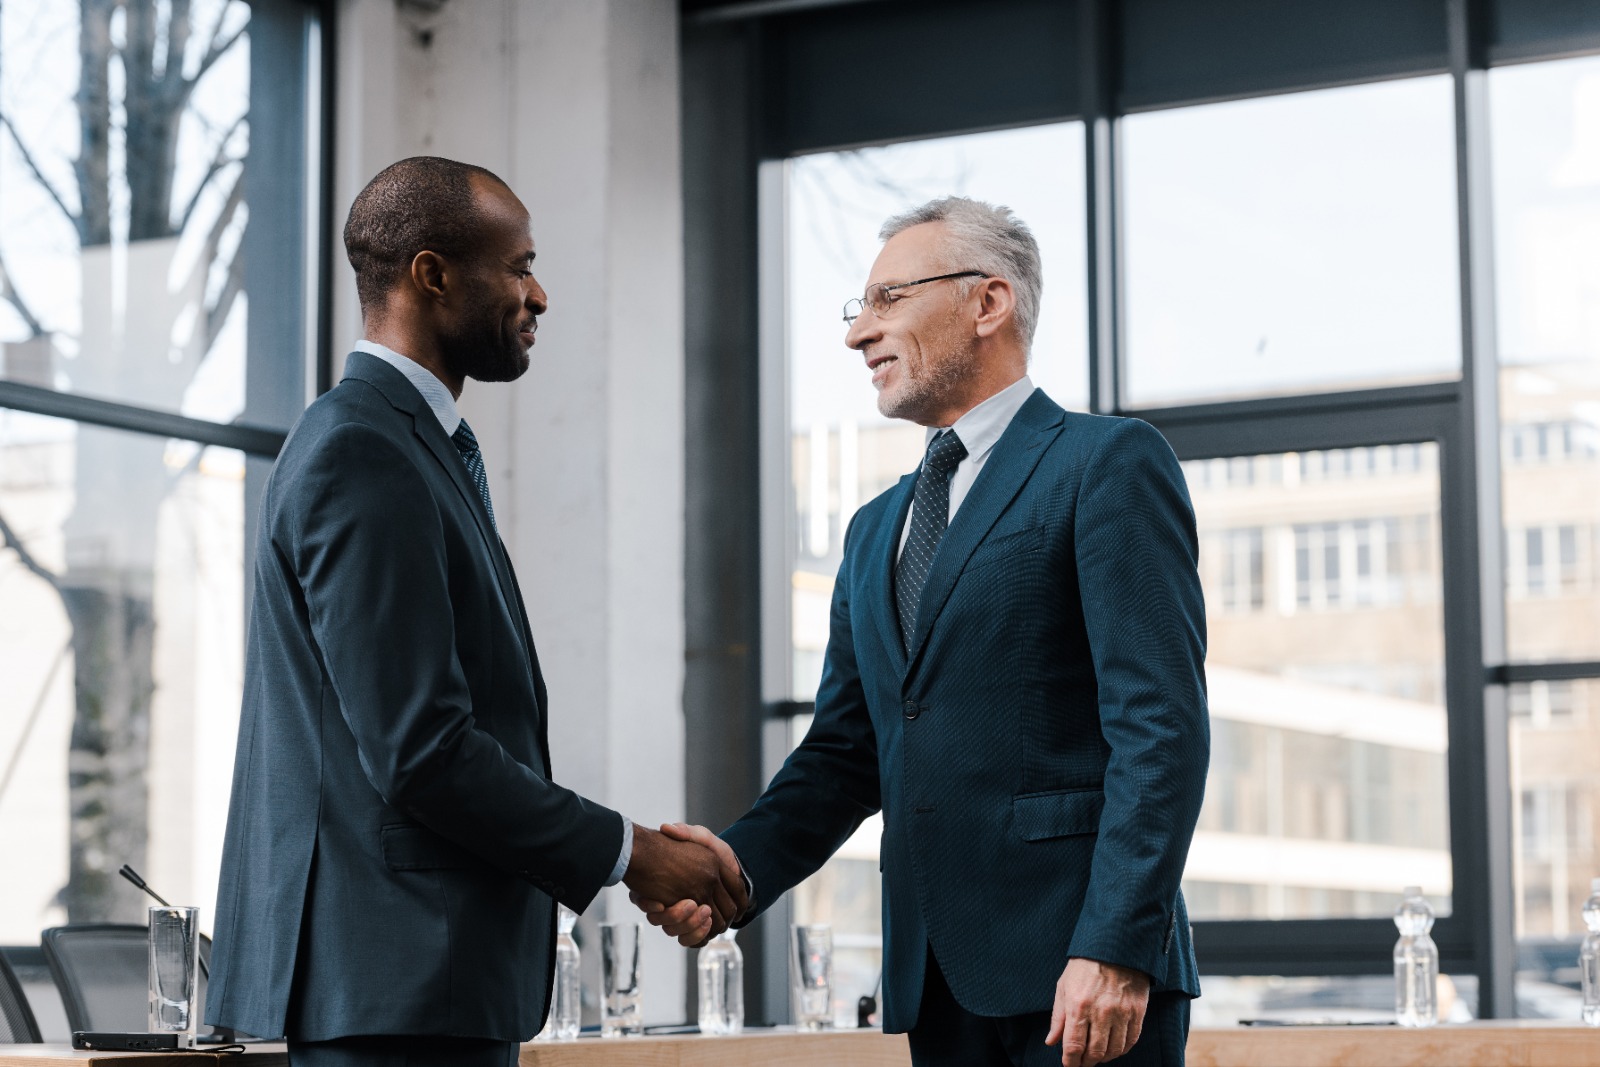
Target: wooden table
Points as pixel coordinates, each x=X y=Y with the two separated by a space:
x=1491 y=1043
x=1530 y=1043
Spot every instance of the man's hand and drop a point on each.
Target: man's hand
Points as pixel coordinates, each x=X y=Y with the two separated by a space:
x=688 y=921
x=1099 y=1011
x=681 y=869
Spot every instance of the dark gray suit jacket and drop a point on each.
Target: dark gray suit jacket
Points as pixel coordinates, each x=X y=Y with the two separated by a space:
x=1040 y=756
x=395 y=844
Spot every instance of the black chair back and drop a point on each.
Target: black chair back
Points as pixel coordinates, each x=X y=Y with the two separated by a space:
x=103 y=973
x=17 y=1025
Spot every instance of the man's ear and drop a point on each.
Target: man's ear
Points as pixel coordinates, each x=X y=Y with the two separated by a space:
x=428 y=275
x=997 y=306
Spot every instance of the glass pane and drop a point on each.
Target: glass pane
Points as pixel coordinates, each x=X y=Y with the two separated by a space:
x=843 y=452
x=121 y=214
x=1292 y=243
x=1555 y=780
x=121 y=646
x=1322 y=579
x=1546 y=143
x=1355 y=998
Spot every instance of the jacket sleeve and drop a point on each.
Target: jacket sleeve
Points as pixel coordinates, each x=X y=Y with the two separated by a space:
x=1137 y=558
x=828 y=785
x=366 y=541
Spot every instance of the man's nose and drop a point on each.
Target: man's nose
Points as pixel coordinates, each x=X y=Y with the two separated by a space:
x=863 y=331
x=536 y=299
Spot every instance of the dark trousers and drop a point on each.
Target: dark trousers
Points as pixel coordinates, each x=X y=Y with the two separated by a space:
x=403 y=1051
x=948 y=1035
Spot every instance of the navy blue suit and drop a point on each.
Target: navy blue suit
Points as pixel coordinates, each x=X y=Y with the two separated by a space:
x=1040 y=756
x=395 y=845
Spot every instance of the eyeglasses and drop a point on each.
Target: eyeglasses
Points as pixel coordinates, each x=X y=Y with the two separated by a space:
x=878 y=299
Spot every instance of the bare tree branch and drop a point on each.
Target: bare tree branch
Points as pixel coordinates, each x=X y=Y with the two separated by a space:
x=38 y=175
x=217 y=314
x=8 y=293
x=217 y=49
x=218 y=161
x=13 y=542
x=33 y=718
x=213 y=241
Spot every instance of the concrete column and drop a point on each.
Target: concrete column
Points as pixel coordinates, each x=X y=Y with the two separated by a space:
x=575 y=104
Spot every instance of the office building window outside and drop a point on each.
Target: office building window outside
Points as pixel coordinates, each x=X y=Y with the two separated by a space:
x=1546 y=168
x=1297 y=243
x=1327 y=790
x=126 y=131
x=843 y=453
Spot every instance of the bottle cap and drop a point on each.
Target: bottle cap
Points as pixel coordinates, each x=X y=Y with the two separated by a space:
x=1413 y=891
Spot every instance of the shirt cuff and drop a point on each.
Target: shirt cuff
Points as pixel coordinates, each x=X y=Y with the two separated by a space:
x=627 y=853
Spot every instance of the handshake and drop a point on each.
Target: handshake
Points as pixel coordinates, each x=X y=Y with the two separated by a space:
x=687 y=881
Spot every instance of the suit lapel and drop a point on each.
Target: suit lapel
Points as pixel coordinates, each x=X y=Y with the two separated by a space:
x=1015 y=456
x=881 y=556
x=425 y=425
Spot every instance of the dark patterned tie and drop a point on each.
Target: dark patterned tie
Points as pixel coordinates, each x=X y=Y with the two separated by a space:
x=467 y=442
x=930 y=514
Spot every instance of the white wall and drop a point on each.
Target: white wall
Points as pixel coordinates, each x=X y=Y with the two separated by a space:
x=575 y=104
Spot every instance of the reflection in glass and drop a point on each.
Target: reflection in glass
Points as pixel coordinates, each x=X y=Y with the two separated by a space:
x=1555 y=813
x=1293 y=243
x=121 y=201
x=1545 y=120
x=121 y=647
x=1367 y=998
x=1546 y=127
x=1322 y=580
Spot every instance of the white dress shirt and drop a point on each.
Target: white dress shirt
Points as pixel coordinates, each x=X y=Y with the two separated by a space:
x=978 y=429
x=443 y=406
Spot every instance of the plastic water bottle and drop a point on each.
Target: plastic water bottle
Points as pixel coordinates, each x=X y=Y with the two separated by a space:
x=1416 y=963
x=1589 y=956
x=566 y=1005
x=721 y=986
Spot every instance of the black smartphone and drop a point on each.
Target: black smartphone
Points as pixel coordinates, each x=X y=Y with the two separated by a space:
x=105 y=1042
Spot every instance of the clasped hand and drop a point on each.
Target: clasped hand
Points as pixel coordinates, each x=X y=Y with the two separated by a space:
x=693 y=870
x=691 y=918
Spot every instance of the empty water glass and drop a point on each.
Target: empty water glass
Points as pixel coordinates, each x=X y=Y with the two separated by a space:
x=174 y=969
x=621 y=1013
x=811 y=975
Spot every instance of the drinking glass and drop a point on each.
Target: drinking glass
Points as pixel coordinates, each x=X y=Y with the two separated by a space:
x=620 y=1011
x=174 y=969
x=811 y=975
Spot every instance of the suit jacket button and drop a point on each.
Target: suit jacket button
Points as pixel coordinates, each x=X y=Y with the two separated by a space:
x=912 y=711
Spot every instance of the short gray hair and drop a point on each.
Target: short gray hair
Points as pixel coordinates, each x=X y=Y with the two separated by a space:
x=989 y=238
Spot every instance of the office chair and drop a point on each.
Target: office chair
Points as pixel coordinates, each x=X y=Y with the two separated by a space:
x=17 y=1026
x=103 y=973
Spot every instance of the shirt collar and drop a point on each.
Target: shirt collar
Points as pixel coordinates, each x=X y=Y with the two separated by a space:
x=438 y=397
x=981 y=427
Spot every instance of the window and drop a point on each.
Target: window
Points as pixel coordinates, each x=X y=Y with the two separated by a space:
x=1327 y=792
x=125 y=233
x=1546 y=186
x=1310 y=244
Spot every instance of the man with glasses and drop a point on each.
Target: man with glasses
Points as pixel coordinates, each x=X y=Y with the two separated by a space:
x=1014 y=677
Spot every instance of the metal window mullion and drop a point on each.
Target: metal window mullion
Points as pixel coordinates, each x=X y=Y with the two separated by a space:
x=1103 y=230
x=75 y=407
x=1479 y=757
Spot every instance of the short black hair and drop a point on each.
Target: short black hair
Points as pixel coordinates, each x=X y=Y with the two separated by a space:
x=424 y=203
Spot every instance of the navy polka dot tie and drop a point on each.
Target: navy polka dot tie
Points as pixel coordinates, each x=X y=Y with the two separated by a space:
x=467 y=442
x=930 y=514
